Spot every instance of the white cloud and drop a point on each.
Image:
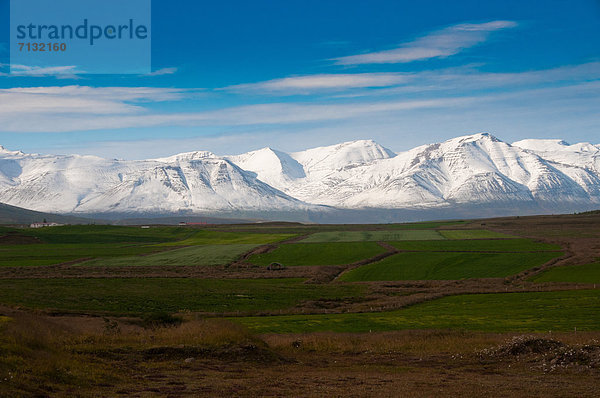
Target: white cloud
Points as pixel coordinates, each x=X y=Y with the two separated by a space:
x=42 y=71
x=564 y=112
x=59 y=72
x=82 y=100
x=469 y=79
x=63 y=72
x=435 y=94
x=450 y=79
x=321 y=82
x=439 y=44
x=163 y=71
x=76 y=108
x=290 y=113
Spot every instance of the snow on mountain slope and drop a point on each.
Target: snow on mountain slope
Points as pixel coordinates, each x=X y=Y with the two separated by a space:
x=583 y=154
x=347 y=155
x=54 y=183
x=196 y=181
x=273 y=167
x=309 y=175
x=476 y=169
x=471 y=169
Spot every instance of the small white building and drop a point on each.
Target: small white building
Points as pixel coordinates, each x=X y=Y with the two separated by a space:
x=44 y=224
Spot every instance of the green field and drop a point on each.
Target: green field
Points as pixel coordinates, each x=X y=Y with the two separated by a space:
x=447 y=266
x=494 y=245
x=518 y=312
x=473 y=234
x=373 y=236
x=135 y=296
x=425 y=254
x=588 y=273
x=422 y=225
x=228 y=238
x=193 y=255
x=103 y=234
x=115 y=245
x=73 y=242
x=318 y=253
x=48 y=254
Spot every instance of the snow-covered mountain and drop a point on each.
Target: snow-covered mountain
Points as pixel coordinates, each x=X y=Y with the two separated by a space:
x=195 y=181
x=474 y=170
x=583 y=154
x=477 y=169
x=310 y=174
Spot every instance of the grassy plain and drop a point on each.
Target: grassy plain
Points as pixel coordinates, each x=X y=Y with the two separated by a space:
x=522 y=312
x=122 y=246
x=48 y=254
x=204 y=237
x=137 y=296
x=447 y=266
x=473 y=234
x=492 y=245
x=374 y=236
x=132 y=322
x=95 y=234
x=424 y=225
x=318 y=253
x=587 y=273
x=188 y=256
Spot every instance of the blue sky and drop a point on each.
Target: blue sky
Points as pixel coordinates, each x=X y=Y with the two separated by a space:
x=234 y=76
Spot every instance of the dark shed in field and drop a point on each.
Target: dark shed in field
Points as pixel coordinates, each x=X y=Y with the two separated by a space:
x=275 y=267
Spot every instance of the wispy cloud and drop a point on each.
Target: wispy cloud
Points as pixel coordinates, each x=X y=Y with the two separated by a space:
x=321 y=82
x=537 y=112
x=75 y=108
x=470 y=79
x=163 y=71
x=463 y=78
x=42 y=71
x=541 y=113
x=438 y=44
x=82 y=108
x=60 y=72
x=80 y=100
x=286 y=113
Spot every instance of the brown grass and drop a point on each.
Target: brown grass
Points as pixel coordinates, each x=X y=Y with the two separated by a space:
x=69 y=356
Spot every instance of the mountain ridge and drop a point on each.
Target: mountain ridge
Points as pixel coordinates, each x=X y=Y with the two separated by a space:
x=472 y=170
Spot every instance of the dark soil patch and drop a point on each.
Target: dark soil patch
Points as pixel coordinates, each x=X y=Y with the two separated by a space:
x=16 y=239
x=547 y=354
x=525 y=345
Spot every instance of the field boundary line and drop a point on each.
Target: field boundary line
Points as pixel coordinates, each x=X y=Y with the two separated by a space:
x=391 y=250
x=555 y=262
x=242 y=260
